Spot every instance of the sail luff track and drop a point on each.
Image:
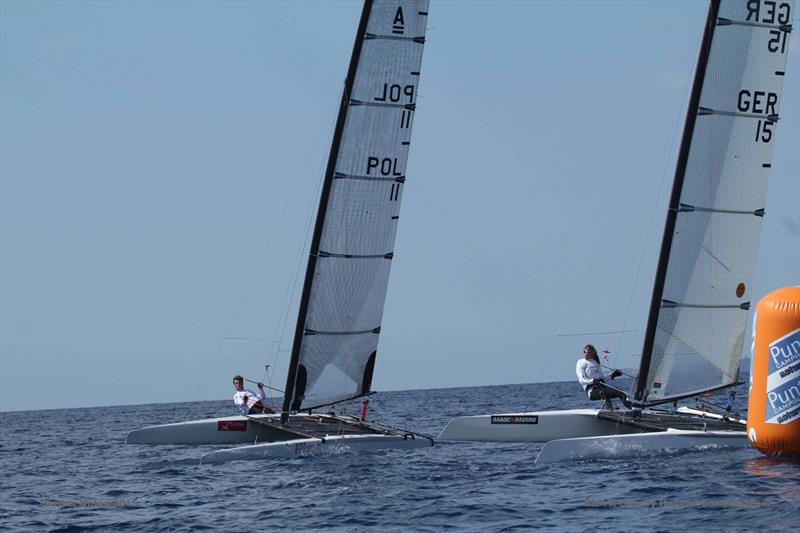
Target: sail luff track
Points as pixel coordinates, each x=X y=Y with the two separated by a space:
x=291 y=376
x=674 y=203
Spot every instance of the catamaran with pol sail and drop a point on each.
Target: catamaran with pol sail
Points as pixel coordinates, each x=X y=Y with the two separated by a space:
x=695 y=331
x=341 y=306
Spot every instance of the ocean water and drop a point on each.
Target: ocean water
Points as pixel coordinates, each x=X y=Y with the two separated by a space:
x=70 y=470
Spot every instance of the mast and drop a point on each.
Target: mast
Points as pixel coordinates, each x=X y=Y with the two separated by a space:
x=702 y=291
x=677 y=187
x=341 y=306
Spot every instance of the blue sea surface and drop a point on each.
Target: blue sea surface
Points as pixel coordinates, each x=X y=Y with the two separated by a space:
x=70 y=470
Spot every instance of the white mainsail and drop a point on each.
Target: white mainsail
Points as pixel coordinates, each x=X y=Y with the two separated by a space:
x=339 y=321
x=695 y=334
x=340 y=311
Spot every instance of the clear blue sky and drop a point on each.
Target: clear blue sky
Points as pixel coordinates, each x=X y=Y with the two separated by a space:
x=159 y=162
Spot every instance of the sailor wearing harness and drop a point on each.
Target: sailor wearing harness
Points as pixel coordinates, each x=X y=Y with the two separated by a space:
x=248 y=401
x=592 y=379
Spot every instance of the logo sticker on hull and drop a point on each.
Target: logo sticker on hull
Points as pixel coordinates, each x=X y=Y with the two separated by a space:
x=515 y=419
x=231 y=425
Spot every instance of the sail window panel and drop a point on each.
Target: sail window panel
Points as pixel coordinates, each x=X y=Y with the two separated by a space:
x=695 y=350
x=388 y=72
x=725 y=169
x=712 y=253
x=736 y=91
x=373 y=131
x=372 y=143
x=348 y=294
x=376 y=129
x=359 y=217
x=767 y=12
x=385 y=19
x=335 y=366
x=704 y=273
x=757 y=50
x=740 y=78
x=702 y=332
x=741 y=59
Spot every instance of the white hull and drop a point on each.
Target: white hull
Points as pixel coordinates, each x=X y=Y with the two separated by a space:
x=226 y=430
x=327 y=445
x=544 y=426
x=540 y=426
x=621 y=446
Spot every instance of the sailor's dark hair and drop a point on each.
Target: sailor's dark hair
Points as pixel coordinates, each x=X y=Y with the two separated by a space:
x=237 y=377
x=593 y=354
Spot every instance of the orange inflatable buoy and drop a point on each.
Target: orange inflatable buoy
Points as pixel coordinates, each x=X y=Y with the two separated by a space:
x=773 y=414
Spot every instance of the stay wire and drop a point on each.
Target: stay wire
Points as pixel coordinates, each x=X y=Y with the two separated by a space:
x=664 y=174
x=265 y=248
x=607 y=226
x=283 y=324
x=303 y=246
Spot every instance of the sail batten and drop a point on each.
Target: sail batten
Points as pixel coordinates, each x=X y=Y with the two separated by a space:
x=342 y=176
x=779 y=26
x=669 y=304
x=347 y=276
x=705 y=111
x=686 y=208
x=695 y=334
x=389 y=255
x=376 y=331
x=410 y=107
x=418 y=40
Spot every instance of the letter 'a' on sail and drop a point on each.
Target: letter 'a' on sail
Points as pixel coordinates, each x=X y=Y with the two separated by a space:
x=695 y=333
x=341 y=307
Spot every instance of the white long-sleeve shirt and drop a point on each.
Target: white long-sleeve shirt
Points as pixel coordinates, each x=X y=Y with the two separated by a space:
x=588 y=370
x=252 y=398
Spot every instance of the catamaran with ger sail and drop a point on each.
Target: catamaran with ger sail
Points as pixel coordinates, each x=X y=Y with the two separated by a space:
x=342 y=302
x=695 y=331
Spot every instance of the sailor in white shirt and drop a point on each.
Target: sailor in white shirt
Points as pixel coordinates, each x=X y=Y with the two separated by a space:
x=592 y=379
x=249 y=402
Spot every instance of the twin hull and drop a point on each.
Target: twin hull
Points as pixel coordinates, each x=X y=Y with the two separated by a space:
x=569 y=434
x=252 y=429
x=623 y=446
x=329 y=445
x=542 y=426
x=580 y=434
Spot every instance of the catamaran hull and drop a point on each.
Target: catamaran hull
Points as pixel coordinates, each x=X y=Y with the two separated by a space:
x=541 y=426
x=228 y=430
x=328 y=445
x=622 y=446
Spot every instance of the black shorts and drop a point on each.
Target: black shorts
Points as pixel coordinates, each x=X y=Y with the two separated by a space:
x=259 y=408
